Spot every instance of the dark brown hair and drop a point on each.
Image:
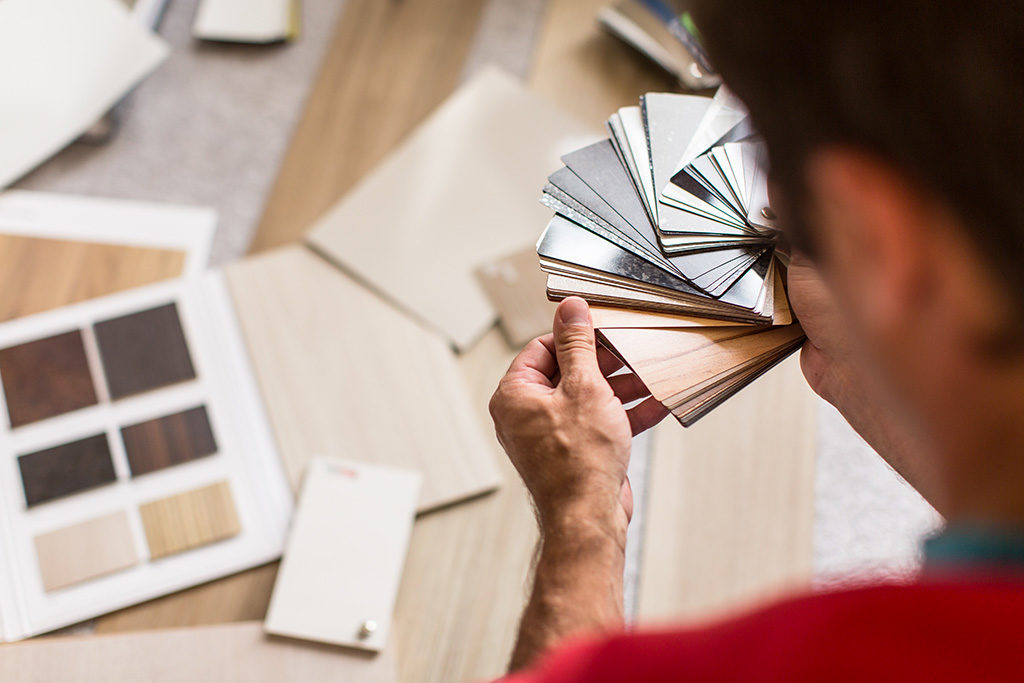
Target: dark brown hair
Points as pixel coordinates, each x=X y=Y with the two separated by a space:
x=933 y=87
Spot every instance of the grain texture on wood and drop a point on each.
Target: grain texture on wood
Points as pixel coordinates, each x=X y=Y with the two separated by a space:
x=66 y=469
x=231 y=652
x=46 y=377
x=344 y=374
x=166 y=441
x=188 y=520
x=41 y=274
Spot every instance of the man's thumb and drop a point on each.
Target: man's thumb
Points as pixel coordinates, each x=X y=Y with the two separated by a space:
x=575 y=347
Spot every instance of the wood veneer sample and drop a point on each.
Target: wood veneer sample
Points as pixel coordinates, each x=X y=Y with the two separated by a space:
x=46 y=377
x=66 y=469
x=224 y=652
x=86 y=550
x=166 y=441
x=49 y=273
x=144 y=350
x=343 y=373
x=189 y=520
x=516 y=286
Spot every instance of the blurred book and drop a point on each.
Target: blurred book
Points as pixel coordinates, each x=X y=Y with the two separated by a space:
x=662 y=30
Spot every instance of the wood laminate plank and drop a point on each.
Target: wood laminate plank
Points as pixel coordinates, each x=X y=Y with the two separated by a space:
x=232 y=652
x=40 y=274
x=389 y=65
x=731 y=503
x=68 y=468
x=345 y=374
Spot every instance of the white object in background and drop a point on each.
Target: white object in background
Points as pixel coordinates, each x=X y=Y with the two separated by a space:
x=343 y=560
x=173 y=227
x=247 y=21
x=63 y=64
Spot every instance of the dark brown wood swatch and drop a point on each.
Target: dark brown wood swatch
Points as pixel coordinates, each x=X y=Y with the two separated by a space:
x=143 y=351
x=46 y=377
x=167 y=441
x=66 y=469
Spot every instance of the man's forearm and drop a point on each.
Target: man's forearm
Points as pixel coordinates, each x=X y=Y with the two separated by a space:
x=577 y=586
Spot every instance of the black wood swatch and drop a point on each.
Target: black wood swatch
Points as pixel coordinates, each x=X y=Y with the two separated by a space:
x=46 y=377
x=144 y=351
x=167 y=441
x=65 y=469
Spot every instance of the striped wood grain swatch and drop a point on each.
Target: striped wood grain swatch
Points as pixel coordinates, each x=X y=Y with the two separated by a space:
x=47 y=273
x=189 y=520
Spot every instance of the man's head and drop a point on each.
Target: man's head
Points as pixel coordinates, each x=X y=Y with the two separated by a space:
x=896 y=135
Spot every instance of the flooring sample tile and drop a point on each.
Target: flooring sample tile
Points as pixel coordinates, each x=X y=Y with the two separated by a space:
x=63 y=64
x=344 y=373
x=516 y=287
x=189 y=520
x=167 y=441
x=66 y=469
x=46 y=377
x=86 y=550
x=223 y=652
x=475 y=162
x=143 y=351
x=343 y=562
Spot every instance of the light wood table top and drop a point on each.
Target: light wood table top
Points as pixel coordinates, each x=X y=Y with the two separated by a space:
x=731 y=500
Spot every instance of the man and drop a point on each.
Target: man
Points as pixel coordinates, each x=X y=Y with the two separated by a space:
x=897 y=150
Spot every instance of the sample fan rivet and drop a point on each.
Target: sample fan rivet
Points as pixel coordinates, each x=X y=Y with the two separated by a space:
x=368 y=628
x=767 y=213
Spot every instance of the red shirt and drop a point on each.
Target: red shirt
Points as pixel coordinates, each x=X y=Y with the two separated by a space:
x=963 y=630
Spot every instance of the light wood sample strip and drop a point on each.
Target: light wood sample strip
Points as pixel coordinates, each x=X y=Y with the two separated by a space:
x=48 y=274
x=345 y=374
x=189 y=519
x=730 y=505
x=231 y=652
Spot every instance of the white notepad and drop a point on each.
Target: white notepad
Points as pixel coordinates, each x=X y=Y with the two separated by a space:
x=343 y=560
x=63 y=64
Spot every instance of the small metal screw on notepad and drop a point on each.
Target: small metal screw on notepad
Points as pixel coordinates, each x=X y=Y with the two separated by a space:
x=767 y=213
x=368 y=628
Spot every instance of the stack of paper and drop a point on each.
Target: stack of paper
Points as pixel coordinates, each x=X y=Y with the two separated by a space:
x=665 y=228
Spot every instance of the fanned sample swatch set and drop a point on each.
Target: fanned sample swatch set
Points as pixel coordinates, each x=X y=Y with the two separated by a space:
x=666 y=230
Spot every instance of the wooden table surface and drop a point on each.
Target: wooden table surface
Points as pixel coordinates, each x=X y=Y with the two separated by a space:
x=730 y=501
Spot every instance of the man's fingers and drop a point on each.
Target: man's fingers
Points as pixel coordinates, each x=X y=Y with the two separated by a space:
x=575 y=347
x=628 y=387
x=535 y=363
x=645 y=415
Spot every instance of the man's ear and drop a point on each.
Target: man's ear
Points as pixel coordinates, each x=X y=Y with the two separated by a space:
x=872 y=232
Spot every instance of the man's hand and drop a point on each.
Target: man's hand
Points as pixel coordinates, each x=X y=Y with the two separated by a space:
x=564 y=428
x=839 y=372
x=563 y=425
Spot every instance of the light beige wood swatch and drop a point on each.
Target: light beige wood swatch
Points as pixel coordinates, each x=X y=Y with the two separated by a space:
x=189 y=520
x=86 y=550
x=459 y=193
x=226 y=652
x=345 y=374
x=515 y=284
